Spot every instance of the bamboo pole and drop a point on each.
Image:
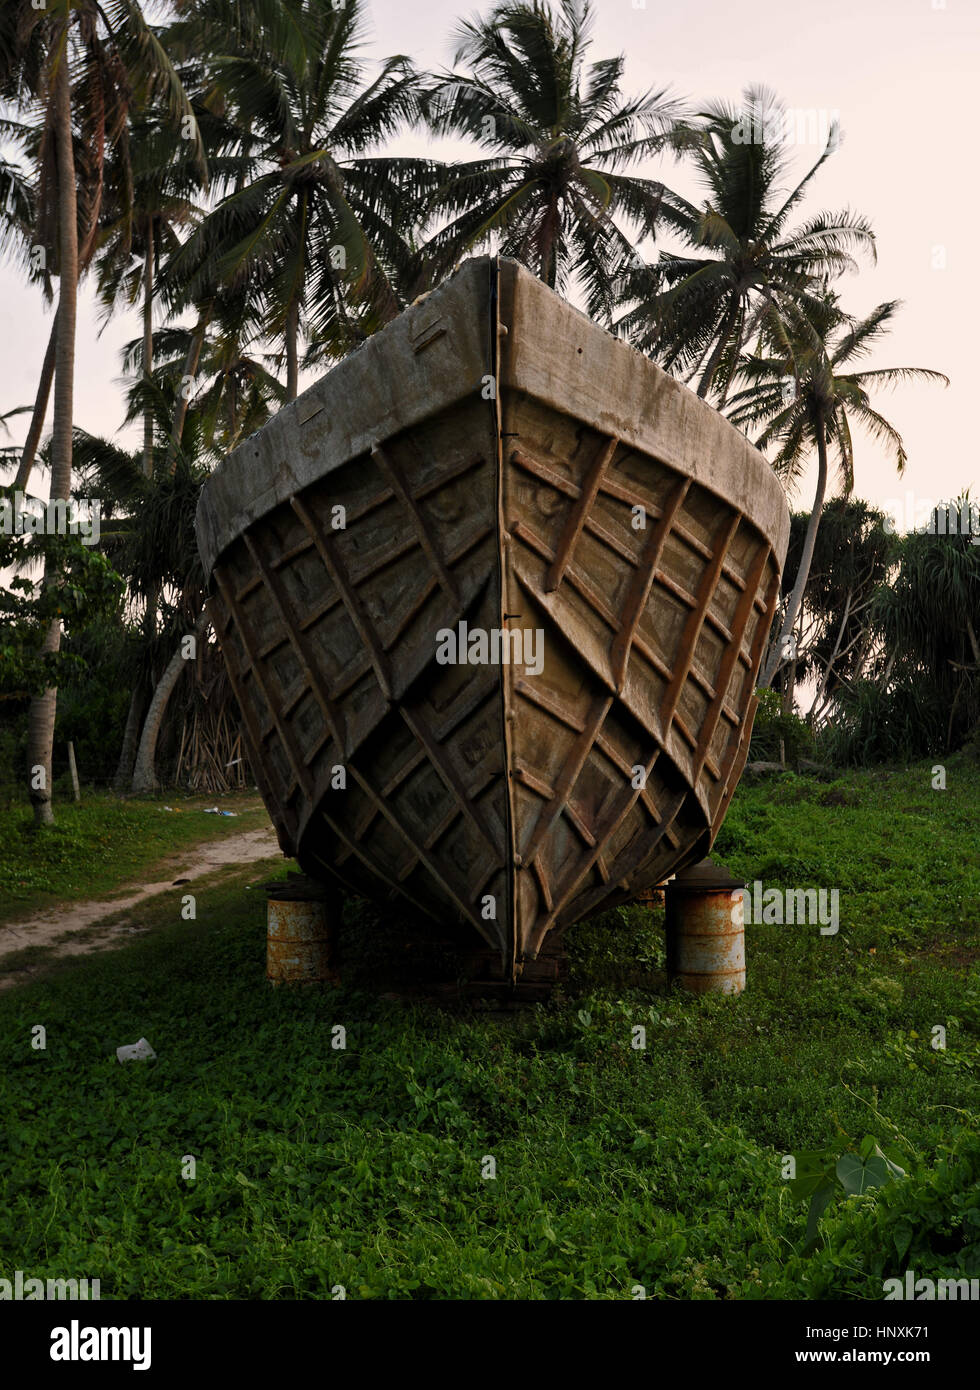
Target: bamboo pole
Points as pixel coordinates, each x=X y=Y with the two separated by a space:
x=74 y=771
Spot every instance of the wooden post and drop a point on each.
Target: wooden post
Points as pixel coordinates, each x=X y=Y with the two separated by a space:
x=74 y=771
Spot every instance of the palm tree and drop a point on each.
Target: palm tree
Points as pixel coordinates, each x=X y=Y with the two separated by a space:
x=558 y=135
x=118 y=59
x=29 y=221
x=743 y=266
x=807 y=400
x=150 y=198
x=41 y=714
x=312 y=222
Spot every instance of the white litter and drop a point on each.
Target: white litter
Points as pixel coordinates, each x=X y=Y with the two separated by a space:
x=136 y=1052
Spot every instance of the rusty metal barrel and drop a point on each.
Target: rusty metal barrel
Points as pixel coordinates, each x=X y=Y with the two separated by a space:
x=705 y=931
x=301 y=945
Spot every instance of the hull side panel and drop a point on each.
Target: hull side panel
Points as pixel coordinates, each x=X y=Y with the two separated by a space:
x=653 y=596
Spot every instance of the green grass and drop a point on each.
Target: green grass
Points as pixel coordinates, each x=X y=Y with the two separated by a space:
x=362 y=1167
x=101 y=844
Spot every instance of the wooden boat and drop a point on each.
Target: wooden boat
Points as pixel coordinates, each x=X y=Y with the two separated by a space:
x=493 y=459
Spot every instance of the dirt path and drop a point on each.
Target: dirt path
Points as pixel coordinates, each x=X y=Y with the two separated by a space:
x=59 y=929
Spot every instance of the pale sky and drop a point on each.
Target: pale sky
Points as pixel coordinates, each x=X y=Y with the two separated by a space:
x=901 y=73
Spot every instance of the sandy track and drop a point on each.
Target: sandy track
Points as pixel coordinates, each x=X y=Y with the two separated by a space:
x=54 y=927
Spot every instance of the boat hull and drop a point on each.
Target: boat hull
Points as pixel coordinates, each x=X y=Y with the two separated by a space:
x=493 y=596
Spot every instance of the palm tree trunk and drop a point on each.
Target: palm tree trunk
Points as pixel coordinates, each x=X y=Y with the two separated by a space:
x=549 y=237
x=47 y=366
x=183 y=400
x=41 y=714
x=144 y=773
x=40 y=410
x=131 y=734
x=292 y=351
x=148 y=347
x=803 y=573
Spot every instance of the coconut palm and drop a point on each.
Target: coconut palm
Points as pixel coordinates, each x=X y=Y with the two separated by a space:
x=30 y=238
x=742 y=264
x=17 y=242
x=550 y=190
x=229 y=395
x=150 y=197
x=313 y=222
x=806 y=399
x=117 y=59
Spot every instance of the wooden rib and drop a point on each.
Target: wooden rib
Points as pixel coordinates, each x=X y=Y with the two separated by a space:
x=463 y=709
x=248 y=716
x=547 y=701
x=691 y=633
x=352 y=599
x=429 y=588
x=568 y=775
x=668 y=582
x=611 y=541
x=299 y=642
x=287 y=557
x=578 y=514
x=357 y=512
x=729 y=657
x=415 y=758
x=630 y=496
x=622 y=807
x=321 y=610
x=357 y=849
x=545 y=473
x=422 y=530
x=247 y=638
x=639 y=586
x=467 y=910
x=348 y=676
x=383 y=561
x=530 y=779
x=626 y=802
x=332 y=869
x=449 y=475
x=579 y=822
x=443 y=765
x=543 y=884
x=731 y=766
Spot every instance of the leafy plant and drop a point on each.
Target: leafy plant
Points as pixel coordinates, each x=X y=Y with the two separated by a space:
x=823 y=1176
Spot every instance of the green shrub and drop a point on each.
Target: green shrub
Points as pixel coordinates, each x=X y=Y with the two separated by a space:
x=898 y=725
x=773 y=728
